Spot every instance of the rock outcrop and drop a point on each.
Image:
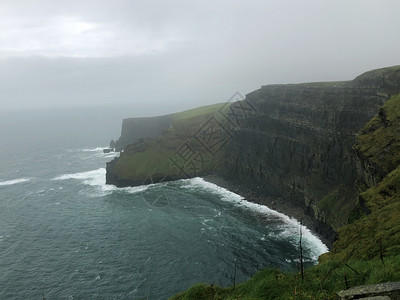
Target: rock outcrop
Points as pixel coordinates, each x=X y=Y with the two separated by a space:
x=388 y=290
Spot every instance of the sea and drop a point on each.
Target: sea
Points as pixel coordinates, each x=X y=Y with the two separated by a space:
x=65 y=234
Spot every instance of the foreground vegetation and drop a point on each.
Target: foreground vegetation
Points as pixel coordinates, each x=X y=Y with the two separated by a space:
x=320 y=282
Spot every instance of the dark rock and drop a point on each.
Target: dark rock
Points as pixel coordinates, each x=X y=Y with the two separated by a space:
x=391 y=290
x=112 y=144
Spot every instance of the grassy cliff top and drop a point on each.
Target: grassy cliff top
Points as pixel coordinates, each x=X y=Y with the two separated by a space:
x=165 y=155
x=199 y=111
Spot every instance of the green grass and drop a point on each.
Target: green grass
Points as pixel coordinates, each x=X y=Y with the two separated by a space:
x=323 y=84
x=379 y=140
x=148 y=157
x=329 y=200
x=385 y=193
x=362 y=238
x=321 y=282
x=379 y=144
x=138 y=165
x=336 y=206
x=191 y=121
x=199 y=111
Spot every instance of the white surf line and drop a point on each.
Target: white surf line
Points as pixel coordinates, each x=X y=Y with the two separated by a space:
x=98 y=178
x=97 y=149
x=293 y=228
x=14 y=181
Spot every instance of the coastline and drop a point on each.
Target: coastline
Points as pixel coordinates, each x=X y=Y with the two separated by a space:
x=277 y=204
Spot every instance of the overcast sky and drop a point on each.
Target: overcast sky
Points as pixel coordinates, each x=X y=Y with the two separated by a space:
x=164 y=56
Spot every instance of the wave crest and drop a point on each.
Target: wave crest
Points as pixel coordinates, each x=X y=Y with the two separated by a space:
x=290 y=227
x=97 y=178
x=97 y=149
x=13 y=181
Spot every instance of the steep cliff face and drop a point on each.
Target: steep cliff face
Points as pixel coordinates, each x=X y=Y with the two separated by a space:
x=374 y=228
x=299 y=144
x=134 y=129
x=296 y=145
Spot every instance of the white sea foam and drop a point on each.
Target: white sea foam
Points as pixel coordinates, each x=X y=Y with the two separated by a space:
x=13 y=181
x=97 y=178
x=94 y=177
x=290 y=227
x=97 y=149
x=111 y=155
x=98 y=152
x=199 y=182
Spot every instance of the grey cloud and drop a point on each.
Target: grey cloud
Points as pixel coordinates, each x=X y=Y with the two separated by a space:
x=175 y=55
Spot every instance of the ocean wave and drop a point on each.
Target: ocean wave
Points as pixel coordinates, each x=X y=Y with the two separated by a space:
x=14 y=181
x=290 y=228
x=97 y=149
x=90 y=153
x=94 y=177
x=97 y=178
x=111 y=155
x=225 y=194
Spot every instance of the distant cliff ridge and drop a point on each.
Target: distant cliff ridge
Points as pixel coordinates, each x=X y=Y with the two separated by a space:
x=296 y=145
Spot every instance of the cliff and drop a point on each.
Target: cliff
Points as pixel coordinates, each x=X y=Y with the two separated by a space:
x=293 y=143
x=134 y=129
x=299 y=144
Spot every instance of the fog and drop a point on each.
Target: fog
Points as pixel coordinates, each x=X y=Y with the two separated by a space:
x=158 y=57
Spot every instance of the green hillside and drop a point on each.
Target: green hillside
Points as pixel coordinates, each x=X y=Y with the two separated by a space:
x=167 y=154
